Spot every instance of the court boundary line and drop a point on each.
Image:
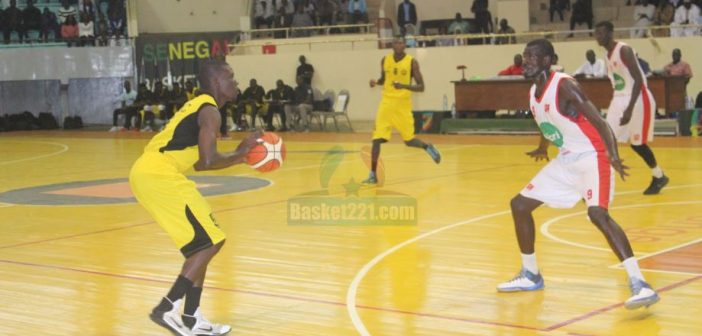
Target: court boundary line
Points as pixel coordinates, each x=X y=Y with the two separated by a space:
x=672 y=248
x=63 y=150
x=544 y=228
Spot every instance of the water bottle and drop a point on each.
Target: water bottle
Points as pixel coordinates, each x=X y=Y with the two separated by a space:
x=453 y=111
x=445 y=103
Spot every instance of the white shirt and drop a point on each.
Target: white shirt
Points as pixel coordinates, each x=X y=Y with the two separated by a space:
x=86 y=29
x=592 y=70
x=683 y=14
x=647 y=10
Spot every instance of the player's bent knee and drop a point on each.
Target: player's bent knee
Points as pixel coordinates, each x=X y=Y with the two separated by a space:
x=519 y=204
x=598 y=215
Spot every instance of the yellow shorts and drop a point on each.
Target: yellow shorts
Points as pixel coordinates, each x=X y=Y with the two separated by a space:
x=175 y=203
x=394 y=113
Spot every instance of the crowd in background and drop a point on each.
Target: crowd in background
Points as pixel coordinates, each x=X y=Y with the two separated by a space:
x=74 y=22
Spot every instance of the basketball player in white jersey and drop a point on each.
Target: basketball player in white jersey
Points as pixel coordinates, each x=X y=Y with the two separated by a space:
x=632 y=112
x=587 y=152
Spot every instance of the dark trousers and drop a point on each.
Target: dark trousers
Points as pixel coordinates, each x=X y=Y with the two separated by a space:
x=272 y=109
x=241 y=110
x=129 y=112
x=574 y=21
x=7 y=32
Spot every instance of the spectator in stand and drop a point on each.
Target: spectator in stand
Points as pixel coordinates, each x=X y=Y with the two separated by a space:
x=592 y=67
x=69 y=31
x=288 y=9
x=687 y=14
x=311 y=10
x=49 y=23
x=102 y=30
x=325 y=12
x=13 y=22
x=280 y=21
x=506 y=29
x=263 y=16
x=280 y=96
x=175 y=101
x=126 y=100
x=86 y=30
x=252 y=98
x=406 y=14
x=342 y=13
x=66 y=10
x=663 y=16
x=643 y=16
x=678 y=67
x=515 y=69
x=88 y=7
x=582 y=14
x=300 y=20
x=115 y=18
x=31 y=19
x=157 y=106
x=458 y=25
x=298 y=112
x=357 y=11
x=191 y=90
x=558 y=6
x=445 y=40
x=483 y=18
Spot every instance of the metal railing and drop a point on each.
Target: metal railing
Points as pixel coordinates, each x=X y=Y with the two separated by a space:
x=291 y=32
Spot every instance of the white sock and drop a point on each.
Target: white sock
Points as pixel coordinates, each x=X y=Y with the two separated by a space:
x=657 y=172
x=632 y=268
x=529 y=262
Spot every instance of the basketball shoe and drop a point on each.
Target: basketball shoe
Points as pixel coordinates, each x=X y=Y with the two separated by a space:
x=170 y=319
x=200 y=326
x=641 y=294
x=524 y=281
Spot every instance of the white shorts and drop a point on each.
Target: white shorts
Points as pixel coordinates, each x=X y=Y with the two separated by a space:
x=572 y=177
x=639 y=130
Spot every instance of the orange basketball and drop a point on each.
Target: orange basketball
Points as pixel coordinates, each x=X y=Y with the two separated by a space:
x=268 y=155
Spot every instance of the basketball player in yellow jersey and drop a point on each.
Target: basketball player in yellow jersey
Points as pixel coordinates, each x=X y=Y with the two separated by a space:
x=395 y=110
x=158 y=182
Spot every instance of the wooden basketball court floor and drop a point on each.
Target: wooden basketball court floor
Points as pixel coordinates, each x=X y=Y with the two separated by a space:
x=70 y=265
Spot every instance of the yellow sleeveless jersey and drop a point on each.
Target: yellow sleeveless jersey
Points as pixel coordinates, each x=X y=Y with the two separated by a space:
x=179 y=140
x=400 y=72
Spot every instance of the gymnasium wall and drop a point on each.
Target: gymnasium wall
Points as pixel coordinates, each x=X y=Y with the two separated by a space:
x=189 y=16
x=352 y=69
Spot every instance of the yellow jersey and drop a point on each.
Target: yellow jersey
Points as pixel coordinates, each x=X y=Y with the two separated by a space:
x=400 y=72
x=179 y=140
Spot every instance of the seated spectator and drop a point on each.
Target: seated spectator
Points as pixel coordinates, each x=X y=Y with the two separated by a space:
x=298 y=112
x=357 y=11
x=88 y=7
x=300 y=20
x=156 y=106
x=69 y=31
x=643 y=16
x=101 y=32
x=410 y=41
x=558 y=6
x=310 y=8
x=444 y=40
x=592 y=67
x=663 y=16
x=116 y=17
x=506 y=29
x=86 y=30
x=253 y=99
x=515 y=69
x=286 y=8
x=582 y=14
x=176 y=100
x=555 y=67
x=459 y=25
x=263 y=16
x=281 y=20
x=342 y=13
x=126 y=100
x=12 y=20
x=406 y=14
x=280 y=96
x=687 y=14
x=325 y=12
x=49 y=23
x=66 y=10
x=678 y=67
x=31 y=19
x=191 y=91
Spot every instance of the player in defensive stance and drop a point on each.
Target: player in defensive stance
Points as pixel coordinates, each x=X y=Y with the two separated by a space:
x=582 y=170
x=157 y=180
x=632 y=112
x=395 y=110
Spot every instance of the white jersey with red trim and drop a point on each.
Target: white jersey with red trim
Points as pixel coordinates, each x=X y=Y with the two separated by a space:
x=618 y=73
x=570 y=135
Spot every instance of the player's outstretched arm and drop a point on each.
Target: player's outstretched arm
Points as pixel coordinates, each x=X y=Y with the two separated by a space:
x=210 y=159
x=573 y=100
